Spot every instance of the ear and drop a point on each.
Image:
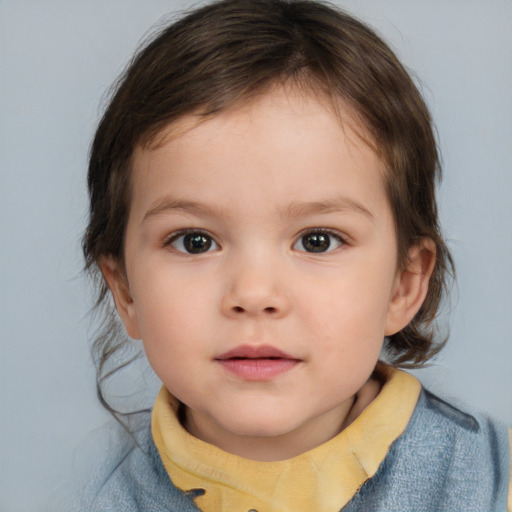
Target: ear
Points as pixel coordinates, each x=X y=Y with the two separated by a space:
x=411 y=286
x=115 y=276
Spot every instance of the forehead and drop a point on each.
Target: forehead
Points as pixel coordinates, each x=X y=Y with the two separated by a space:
x=303 y=99
x=282 y=145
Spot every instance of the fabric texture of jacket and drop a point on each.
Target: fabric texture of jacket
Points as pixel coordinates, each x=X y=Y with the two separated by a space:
x=446 y=460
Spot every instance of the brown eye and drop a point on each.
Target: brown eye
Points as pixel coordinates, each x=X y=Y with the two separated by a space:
x=194 y=242
x=318 y=241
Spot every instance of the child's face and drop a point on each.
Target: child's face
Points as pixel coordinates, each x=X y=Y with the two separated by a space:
x=264 y=232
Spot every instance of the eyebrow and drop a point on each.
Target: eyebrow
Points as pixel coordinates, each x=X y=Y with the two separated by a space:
x=295 y=209
x=335 y=205
x=168 y=205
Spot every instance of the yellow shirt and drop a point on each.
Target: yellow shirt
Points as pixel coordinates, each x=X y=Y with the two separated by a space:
x=236 y=483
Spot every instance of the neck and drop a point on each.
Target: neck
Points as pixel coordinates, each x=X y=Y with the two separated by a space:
x=282 y=446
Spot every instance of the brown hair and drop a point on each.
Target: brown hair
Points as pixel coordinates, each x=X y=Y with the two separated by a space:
x=234 y=50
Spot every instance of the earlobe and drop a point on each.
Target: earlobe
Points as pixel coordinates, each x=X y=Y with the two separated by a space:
x=411 y=286
x=116 y=280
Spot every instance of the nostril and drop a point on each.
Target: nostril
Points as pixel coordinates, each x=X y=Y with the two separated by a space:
x=269 y=310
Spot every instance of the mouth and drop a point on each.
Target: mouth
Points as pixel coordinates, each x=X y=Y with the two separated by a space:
x=257 y=363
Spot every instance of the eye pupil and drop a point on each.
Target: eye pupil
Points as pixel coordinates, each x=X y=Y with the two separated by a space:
x=196 y=243
x=316 y=242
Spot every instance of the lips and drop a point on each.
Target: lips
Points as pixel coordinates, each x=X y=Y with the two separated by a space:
x=254 y=352
x=257 y=363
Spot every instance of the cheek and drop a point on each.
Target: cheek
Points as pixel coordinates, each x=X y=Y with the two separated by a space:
x=173 y=336
x=349 y=314
x=359 y=299
x=171 y=314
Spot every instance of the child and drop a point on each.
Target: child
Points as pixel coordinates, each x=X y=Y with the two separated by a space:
x=263 y=213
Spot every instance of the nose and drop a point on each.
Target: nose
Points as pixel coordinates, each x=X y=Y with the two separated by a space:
x=255 y=290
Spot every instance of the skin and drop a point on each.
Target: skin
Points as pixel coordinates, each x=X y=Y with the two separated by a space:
x=255 y=180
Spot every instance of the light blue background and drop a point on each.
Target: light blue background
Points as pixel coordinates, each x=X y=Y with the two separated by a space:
x=57 y=58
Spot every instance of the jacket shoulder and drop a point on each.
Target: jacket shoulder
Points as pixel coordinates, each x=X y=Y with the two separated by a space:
x=447 y=459
x=132 y=477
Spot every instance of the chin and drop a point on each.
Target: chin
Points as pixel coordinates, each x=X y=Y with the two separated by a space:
x=262 y=427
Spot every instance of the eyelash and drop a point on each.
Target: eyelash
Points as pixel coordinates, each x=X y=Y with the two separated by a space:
x=329 y=234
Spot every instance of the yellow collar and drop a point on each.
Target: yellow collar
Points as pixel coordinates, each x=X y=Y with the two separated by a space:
x=323 y=479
